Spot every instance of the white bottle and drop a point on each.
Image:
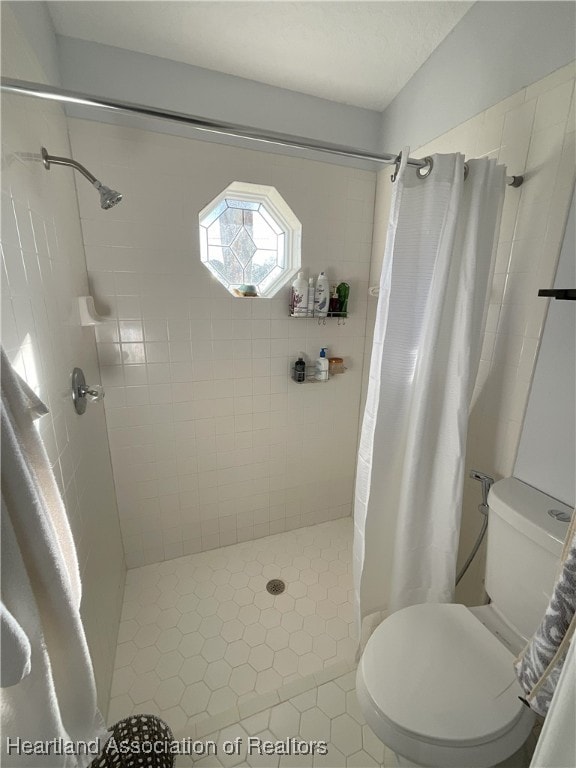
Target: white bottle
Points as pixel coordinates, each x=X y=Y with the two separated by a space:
x=300 y=296
x=322 y=366
x=311 y=293
x=321 y=296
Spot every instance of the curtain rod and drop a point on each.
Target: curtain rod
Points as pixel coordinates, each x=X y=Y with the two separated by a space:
x=53 y=93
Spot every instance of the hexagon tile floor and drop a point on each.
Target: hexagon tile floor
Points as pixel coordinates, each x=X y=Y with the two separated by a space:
x=320 y=708
x=200 y=635
x=327 y=713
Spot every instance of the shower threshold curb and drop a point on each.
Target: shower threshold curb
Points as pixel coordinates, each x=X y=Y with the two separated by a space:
x=209 y=725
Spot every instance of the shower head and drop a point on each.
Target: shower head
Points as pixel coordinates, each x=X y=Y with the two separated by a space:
x=108 y=197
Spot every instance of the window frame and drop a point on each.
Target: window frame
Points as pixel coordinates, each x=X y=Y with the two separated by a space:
x=284 y=217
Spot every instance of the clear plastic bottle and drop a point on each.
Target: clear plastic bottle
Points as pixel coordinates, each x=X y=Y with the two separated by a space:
x=311 y=293
x=321 y=296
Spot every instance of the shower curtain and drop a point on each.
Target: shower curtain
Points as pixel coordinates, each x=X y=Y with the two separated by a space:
x=428 y=334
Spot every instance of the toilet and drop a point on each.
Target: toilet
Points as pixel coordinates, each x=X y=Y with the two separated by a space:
x=436 y=682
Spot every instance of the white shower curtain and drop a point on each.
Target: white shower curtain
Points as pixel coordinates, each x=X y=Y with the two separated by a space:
x=428 y=335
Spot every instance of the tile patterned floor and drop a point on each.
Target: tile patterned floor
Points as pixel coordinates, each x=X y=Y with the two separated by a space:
x=322 y=707
x=205 y=647
x=327 y=712
x=200 y=634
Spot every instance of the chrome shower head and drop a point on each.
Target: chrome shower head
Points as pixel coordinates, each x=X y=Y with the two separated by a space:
x=108 y=197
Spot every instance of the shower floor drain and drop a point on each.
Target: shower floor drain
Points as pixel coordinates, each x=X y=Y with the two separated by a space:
x=275 y=586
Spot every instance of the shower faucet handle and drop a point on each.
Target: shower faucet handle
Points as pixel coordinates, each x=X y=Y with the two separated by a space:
x=487 y=482
x=82 y=392
x=92 y=391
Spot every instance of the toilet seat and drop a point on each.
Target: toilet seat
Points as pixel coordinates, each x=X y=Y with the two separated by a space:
x=437 y=687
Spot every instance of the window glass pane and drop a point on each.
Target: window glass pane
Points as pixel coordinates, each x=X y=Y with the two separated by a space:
x=270 y=220
x=246 y=205
x=213 y=214
x=243 y=247
x=272 y=276
x=263 y=262
x=245 y=240
x=264 y=236
x=226 y=227
x=226 y=264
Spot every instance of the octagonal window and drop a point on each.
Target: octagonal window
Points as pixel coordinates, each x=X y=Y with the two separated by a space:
x=250 y=240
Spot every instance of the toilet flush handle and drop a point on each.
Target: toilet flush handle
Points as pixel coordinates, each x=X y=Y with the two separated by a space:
x=487 y=482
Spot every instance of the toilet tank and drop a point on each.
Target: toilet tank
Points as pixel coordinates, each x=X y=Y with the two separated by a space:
x=523 y=552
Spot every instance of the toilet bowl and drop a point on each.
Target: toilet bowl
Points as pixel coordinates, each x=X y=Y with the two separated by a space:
x=436 y=682
x=439 y=689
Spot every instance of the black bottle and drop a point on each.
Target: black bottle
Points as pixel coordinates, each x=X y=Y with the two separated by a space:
x=299 y=370
x=334 y=306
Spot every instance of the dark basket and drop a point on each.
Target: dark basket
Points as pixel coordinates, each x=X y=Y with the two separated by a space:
x=147 y=739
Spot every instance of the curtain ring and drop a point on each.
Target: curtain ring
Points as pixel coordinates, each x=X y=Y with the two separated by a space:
x=466 y=171
x=396 y=167
x=425 y=170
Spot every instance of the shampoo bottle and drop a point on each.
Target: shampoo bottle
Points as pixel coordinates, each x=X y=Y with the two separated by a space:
x=300 y=296
x=321 y=296
x=322 y=366
x=311 y=291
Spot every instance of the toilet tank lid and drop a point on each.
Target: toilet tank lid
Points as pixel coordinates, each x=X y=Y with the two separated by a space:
x=526 y=509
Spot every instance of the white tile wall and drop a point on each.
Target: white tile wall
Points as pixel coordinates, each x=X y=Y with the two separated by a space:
x=43 y=271
x=211 y=441
x=532 y=132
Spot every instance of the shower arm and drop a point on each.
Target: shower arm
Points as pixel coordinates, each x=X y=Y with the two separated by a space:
x=49 y=159
x=108 y=197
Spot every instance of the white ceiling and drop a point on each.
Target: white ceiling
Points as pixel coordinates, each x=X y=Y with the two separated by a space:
x=358 y=53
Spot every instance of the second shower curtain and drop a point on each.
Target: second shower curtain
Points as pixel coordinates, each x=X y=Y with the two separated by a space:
x=428 y=335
